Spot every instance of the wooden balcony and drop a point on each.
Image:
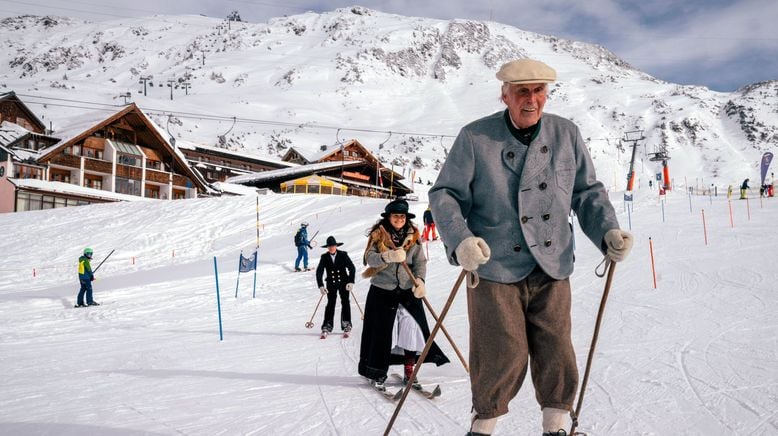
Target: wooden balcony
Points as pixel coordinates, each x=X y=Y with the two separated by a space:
x=67 y=160
x=129 y=172
x=157 y=176
x=96 y=165
x=179 y=180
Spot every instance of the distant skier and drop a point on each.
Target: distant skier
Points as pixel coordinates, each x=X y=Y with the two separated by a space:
x=85 y=278
x=744 y=189
x=340 y=280
x=303 y=245
x=429 y=226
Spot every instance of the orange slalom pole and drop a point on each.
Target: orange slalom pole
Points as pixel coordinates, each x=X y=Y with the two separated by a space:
x=704 y=228
x=731 y=222
x=653 y=269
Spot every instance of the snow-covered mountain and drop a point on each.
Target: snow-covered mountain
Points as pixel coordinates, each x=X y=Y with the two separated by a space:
x=315 y=79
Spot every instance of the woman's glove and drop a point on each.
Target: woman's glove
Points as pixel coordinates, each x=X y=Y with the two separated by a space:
x=472 y=252
x=323 y=290
x=393 y=256
x=419 y=291
x=349 y=286
x=619 y=244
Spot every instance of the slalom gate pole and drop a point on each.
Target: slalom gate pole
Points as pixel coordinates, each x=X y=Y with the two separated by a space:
x=704 y=228
x=731 y=221
x=254 y=294
x=748 y=208
x=651 y=251
x=101 y=263
x=237 y=282
x=429 y=306
x=426 y=350
x=218 y=300
x=597 y=324
x=309 y=324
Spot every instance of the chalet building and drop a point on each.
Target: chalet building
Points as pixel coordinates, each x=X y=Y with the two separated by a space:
x=218 y=164
x=93 y=159
x=349 y=164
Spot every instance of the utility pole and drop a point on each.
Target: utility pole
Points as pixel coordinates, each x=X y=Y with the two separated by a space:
x=142 y=80
x=170 y=84
x=633 y=137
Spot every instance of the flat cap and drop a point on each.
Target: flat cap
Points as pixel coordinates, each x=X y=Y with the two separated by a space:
x=526 y=71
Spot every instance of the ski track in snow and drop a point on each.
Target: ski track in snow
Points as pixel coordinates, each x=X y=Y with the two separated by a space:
x=697 y=355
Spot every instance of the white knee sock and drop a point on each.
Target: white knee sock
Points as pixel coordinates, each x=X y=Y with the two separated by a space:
x=554 y=419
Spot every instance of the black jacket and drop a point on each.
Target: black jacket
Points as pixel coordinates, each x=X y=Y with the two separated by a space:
x=338 y=273
x=428 y=217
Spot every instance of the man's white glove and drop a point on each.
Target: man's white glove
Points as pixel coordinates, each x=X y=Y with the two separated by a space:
x=619 y=244
x=349 y=286
x=393 y=256
x=419 y=291
x=472 y=252
x=323 y=290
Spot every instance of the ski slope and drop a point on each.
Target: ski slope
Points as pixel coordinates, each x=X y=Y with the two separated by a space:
x=698 y=355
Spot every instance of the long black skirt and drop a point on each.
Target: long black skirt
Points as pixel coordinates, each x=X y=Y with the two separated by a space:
x=375 y=354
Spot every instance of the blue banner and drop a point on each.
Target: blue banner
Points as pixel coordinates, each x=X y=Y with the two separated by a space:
x=766 y=159
x=248 y=263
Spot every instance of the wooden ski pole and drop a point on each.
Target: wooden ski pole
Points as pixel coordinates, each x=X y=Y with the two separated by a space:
x=429 y=306
x=309 y=324
x=426 y=350
x=354 y=297
x=597 y=323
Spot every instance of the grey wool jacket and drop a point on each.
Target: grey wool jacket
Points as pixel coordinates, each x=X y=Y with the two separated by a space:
x=518 y=198
x=392 y=275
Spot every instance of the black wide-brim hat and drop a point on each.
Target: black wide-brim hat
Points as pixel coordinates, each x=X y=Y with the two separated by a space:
x=331 y=241
x=397 y=206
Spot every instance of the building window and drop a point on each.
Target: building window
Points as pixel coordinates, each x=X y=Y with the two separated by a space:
x=128 y=186
x=25 y=172
x=154 y=165
x=93 y=182
x=126 y=159
x=93 y=153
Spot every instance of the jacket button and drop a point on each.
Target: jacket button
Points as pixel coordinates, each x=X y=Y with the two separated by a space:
x=544 y=149
x=517 y=248
x=510 y=155
x=546 y=216
x=547 y=243
x=542 y=186
x=524 y=220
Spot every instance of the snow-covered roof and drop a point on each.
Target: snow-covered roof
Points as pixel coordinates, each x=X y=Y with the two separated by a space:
x=287 y=173
x=67 y=188
x=189 y=145
x=233 y=188
x=10 y=132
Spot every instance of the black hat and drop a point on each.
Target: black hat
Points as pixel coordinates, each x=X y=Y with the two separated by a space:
x=397 y=206
x=331 y=241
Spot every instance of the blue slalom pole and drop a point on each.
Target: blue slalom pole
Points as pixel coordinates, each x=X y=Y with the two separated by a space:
x=237 y=282
x=218 y=300
x=256 y=261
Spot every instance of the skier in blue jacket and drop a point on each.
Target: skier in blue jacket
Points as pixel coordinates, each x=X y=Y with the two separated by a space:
x=303 y=245
x=85 y=278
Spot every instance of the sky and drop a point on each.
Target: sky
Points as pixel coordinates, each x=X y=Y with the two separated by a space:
x=720 y=44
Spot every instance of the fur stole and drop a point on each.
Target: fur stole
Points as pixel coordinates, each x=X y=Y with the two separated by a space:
x=380 y=238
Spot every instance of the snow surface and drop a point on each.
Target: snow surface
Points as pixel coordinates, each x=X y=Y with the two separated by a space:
x=696 y=356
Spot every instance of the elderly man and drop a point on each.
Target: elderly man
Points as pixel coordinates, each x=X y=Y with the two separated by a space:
x=501 y=201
